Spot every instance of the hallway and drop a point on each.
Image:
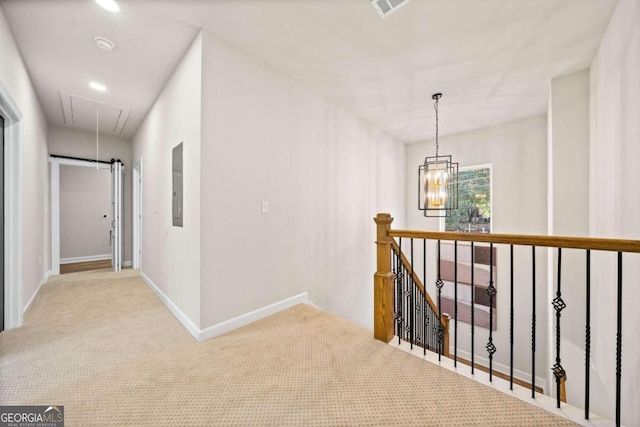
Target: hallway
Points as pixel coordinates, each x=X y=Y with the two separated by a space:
x=103 y=346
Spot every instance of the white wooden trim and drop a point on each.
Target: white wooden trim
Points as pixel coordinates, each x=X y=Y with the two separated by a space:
x=312 y=304
x=13 y=211
x=541 y=401
x=117 y=187
x=33 y=297
x=137 y=215
x=252 y=316
x=55 y=204
x=55 y=218
x=84 y=258
x=186 y=322
x=227 y=325
x=521 y=375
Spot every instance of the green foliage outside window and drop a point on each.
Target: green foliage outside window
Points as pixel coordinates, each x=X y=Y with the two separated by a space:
x=474 y=202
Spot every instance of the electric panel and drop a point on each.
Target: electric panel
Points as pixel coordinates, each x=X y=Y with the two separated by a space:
x=176 y=170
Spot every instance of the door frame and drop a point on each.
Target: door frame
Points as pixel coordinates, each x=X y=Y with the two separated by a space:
x=117 y=192
x=13 y=309
x=55 y=202
x=137 y=214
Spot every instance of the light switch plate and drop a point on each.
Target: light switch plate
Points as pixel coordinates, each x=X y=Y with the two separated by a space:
x=264 y=208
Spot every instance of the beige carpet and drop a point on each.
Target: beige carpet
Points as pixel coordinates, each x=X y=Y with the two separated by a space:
x=106 y=348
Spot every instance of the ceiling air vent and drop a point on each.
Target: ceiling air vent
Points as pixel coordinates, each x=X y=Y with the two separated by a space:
x=387 y=7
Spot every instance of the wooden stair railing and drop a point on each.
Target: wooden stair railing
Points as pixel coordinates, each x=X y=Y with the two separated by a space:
x=383 y=297
x=383 y=326
x=446 y=322
x=444 y=317
x=384 y=292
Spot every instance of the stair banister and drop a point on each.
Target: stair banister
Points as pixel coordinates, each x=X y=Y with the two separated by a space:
x=383 y=281
x=390 y=258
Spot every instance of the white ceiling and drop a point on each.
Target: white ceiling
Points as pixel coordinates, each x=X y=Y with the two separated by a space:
x=56 y=42
x=492 y=59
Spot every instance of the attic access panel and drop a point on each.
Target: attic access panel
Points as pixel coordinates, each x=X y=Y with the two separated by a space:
x=81 y=112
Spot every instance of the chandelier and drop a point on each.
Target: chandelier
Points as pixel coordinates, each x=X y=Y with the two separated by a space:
x=438 y=180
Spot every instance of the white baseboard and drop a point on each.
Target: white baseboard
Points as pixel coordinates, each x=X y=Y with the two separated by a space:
x=521 y=375
x=312 y=304
x=252 y=316
x=85 y=258
x=186 y=322
x=228 y=325
x=541 y=401
x=126 y=264
x=33 y=297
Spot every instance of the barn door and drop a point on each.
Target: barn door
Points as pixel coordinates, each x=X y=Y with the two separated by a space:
x=117 y=186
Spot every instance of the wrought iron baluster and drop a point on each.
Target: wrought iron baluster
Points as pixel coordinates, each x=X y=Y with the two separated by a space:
x=439 y=285
x=511 y=321
x=434 y=331
x=394 y=270
x=411 y=301
x=473 y=326
x=430 y=329
x=455 y=303
x=558 y=306
x=419 y=316
x=424 y=298
x=587 y=344
x=400 y=282
x=533 y=323
x=407 y=304
x=491 y=291
x=619 y=342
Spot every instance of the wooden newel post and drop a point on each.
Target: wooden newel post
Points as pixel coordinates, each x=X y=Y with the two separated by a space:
x=445 y=329
x=383 y=282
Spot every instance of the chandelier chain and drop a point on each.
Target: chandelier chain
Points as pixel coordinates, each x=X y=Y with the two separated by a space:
x=435 y=106
x=438 y=178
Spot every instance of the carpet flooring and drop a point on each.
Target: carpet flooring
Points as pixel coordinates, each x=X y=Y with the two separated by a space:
x=104 y=346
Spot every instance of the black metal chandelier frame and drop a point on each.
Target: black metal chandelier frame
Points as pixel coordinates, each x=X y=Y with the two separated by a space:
x=438 y=180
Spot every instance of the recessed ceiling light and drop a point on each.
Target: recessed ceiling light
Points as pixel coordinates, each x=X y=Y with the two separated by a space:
x=98 y=86
x=110 y=5
x=104 y=44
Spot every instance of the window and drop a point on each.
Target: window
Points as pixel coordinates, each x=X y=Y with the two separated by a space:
x=474 y=201
x=473 y=216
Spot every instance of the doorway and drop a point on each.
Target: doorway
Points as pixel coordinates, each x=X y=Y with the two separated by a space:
x=111 y=214
x=85 y=219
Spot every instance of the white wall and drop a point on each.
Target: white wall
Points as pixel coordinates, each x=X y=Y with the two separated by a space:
x=171 y=255
x=85 y=212
x=614 y=205
x=569 y=216
x=67 y=141
x=324 y=173
x=517 y=152
x=570 y=153
x=34 y=166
